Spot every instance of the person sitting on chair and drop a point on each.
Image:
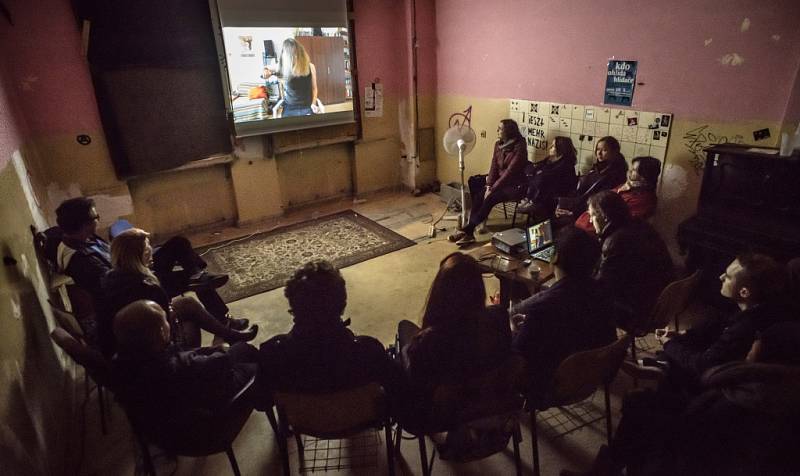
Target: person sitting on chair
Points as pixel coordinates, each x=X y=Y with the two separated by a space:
x=85 y=257
x=573 y=315
x=638 y=191
x=160 y=381
x=131 y=279
x=460 y=335
x=755 y=284
x=549 y=179
x=299 y=79
x=635 y=265
x=506 y=180
x=607 y=172
x=320 y=354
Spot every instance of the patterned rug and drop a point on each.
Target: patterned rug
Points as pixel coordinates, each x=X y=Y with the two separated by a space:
x=266 y=261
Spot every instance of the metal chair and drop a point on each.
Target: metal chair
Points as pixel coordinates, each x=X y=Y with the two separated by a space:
x=331 y=416
x=576 y=379
x=491 y=396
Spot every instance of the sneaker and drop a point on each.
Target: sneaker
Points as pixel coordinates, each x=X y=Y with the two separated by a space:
x=238 y=324
x=465 y=240
x=205 y=280
x=456 y=236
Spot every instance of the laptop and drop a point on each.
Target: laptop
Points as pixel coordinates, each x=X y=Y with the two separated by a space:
x=540 y=241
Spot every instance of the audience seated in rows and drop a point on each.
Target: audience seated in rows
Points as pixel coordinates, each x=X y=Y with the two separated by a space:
x=607 y=172
x=574 y=314
x=549 y=179
x=85 y=257
x=320 y=354
x=460 y=335
x=638 y=192
x=745 y=421
x=131 y=279
x=161 y=382
x=635 y=265
x=755 y=283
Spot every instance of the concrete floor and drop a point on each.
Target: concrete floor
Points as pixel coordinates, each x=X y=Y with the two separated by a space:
x=381 y=292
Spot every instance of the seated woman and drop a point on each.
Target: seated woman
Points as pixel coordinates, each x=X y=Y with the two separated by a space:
x=638 y=192
x=551 y=178
x=460 y=335
x=299 y=79
x=608 y=171
x=130 y=279
x=506 y=180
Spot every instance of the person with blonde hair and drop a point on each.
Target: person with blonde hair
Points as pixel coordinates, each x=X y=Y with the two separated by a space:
x=298 y=78
x=130 y=279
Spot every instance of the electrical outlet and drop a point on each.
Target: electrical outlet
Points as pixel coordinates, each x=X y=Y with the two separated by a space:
x=761 y=134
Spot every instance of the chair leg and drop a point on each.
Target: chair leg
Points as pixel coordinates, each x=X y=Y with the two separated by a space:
x=282 y=444
x=608 y=414
x=387 y=430
x=398 y=438
x=633 y=358
x=102 y=404
x=535 y=445
x=232 y=459
x=272 y=422
x=516 y=438
x=514 y=216
x=505 y=212
x=423 y=456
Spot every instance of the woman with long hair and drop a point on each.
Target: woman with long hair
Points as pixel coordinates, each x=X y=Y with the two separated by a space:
x=506 y=180
x=460 y=334
x=131 y=279
x=550 y=178
x=608 y=171
x=299 y=79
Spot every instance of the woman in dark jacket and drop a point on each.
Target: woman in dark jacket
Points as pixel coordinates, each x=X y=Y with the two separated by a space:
x=131 y=279
x=551 y=178
x=608 y=171
x=460 y=335
x=506 y=180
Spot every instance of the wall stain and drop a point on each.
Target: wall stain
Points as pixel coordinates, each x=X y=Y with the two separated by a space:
x=697 y=139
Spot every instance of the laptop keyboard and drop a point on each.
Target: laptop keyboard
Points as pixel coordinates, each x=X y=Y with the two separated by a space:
x=546 y=254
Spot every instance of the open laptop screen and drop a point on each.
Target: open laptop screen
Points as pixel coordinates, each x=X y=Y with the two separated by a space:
x=540 y=236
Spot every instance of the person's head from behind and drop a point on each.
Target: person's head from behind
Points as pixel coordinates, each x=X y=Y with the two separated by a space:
x=131 y=252
x=316 y=294
x=607 y=148
x=141 y=329
x=606 y=208
x=644 y=172
x=294 y=60
x=562 y=148
x=778 y=344
x=752 y=279
x=577 y=253
x=78 y=217
x=507 y=130
x=457 y=292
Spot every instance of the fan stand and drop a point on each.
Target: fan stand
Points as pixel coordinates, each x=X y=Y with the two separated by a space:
x=461 y=218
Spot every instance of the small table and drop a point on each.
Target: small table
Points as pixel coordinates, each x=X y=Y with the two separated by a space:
x=510 y=270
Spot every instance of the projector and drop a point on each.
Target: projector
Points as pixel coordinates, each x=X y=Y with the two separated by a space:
x=511 y=241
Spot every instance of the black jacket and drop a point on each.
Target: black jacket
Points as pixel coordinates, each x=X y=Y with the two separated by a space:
x=547 y=181
x=602 y=176
x=86 y=262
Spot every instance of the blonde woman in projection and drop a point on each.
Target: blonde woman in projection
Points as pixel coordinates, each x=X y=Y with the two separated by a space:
x=298 y=79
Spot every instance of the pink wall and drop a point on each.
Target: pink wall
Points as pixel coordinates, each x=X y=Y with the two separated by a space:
x=557 y=50
x=426 y=51
x=381 y=39
x=793 y=106
x=10 y=130
x=50 y=77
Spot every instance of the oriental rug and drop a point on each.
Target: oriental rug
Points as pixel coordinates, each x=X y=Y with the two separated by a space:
x=265 y=261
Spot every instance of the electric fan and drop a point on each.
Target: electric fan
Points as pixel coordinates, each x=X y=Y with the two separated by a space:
x=460 y=139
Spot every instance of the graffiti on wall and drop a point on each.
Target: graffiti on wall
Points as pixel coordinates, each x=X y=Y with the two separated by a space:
x=697 y=139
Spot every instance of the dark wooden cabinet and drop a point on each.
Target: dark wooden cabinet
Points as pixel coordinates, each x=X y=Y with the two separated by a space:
x=327 y=54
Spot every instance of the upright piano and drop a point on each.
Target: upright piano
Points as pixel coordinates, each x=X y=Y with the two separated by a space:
x=749 y=201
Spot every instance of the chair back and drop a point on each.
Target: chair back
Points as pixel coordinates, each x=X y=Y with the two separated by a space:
x=672 y=301
x=335 y=414
x=92 y=360
x=580 y=374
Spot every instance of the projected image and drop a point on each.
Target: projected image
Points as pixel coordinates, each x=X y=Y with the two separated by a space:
x=279 y=73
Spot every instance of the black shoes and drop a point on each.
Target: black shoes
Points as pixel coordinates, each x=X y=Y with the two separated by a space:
x=238 y=324
x=206 y=280
x=242 y=336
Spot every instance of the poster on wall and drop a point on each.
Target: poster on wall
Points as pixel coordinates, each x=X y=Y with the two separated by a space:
x=620 y=80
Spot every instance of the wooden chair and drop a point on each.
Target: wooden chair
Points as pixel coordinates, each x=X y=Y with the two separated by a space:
x=194 y=432
x=69 y=338
x=576 y=379
x=331 y=416
x=492 y=395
